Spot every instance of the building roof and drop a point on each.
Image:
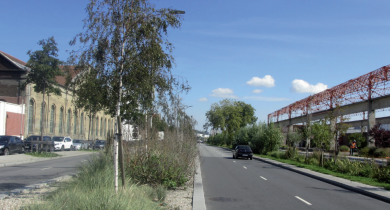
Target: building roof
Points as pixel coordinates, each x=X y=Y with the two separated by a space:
x=21 y=64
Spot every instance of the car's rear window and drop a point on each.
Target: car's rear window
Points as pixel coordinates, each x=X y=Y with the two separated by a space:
x=56 y=138
x=244 y=147
x=101 y=142
x=4 y=139
x=76 y=141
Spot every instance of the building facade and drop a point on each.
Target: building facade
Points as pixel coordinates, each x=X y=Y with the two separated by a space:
x=60 y=116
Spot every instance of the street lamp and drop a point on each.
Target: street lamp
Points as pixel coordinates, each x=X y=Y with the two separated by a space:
x=178 y=12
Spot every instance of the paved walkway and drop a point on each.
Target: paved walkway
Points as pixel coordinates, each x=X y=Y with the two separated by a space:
x=17 y=159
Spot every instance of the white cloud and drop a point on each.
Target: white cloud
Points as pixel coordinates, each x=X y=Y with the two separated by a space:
x=260 y=98
x=203 y=99
x=223 y=93
x=301 y=86
x=267 y=81
x=257 y=91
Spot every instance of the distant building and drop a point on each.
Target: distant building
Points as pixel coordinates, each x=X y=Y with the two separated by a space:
x=61 y=117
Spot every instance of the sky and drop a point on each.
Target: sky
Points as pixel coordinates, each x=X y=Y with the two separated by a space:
x=267 y=53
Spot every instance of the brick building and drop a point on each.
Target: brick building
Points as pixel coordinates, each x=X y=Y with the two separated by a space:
x=61 y=116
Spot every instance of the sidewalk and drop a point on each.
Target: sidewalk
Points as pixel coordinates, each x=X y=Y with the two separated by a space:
x=17 y=159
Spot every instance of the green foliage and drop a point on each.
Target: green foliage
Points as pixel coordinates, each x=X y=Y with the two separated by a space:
x=321 y=134
x=360 y=139
x=44 y=67
x=125 y=47
x=365 y=151
x=262 y=138
x=94 y=189
x=229 y=116
x=169 y=162
x=382 y=152
x=345 y=148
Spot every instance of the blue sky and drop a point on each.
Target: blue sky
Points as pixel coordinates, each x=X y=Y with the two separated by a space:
x=227 y=48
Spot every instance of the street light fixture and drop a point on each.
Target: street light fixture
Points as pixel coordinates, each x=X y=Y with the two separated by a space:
x=178 y=12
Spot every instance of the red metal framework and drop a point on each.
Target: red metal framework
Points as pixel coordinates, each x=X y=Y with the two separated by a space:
x=372 y=85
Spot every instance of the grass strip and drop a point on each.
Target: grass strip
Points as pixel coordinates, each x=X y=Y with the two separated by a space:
x=363 y=180
x=43 y=154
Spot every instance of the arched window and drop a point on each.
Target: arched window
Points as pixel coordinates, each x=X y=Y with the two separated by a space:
x=101 y=126
x=97 y=125
x=68 y=122
x=105 y=128
x=82 y=123
x=43 y=117
x=75 y=123
x=93 y=125
x=31 y=116
x=52 y=116
x=60 y=122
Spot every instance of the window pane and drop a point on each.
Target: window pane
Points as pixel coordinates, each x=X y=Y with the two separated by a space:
x=81 y=123
x=97 y=122
x=60 y=121
x=52 y=119
x=42 y=123
x=68 y=122
x=31 y=116
x=75 y=123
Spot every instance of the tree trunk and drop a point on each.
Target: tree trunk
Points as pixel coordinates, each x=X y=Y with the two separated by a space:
x=121 y=159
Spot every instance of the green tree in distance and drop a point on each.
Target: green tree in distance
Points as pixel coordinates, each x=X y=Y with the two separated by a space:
x=322 y=136
x=44 y=67
x=229 y=115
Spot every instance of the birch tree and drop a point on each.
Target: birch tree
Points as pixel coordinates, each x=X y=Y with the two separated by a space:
x=124 y=43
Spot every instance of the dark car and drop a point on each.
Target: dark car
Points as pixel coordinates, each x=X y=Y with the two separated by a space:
x=244 y=151
x=99 y=144
x=27 y=143
x=11 y=144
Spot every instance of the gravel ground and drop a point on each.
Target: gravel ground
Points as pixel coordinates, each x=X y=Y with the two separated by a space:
x=28 y=197
x=177 y=199
x=181 y=198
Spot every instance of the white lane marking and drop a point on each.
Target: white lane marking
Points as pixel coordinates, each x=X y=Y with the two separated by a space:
x=234 y=161
x=83 y=160
x=303 y=200
x=263 y=178
x=45 y=168
x=244 y=167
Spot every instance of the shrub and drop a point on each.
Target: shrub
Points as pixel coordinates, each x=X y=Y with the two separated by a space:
x=170 y=162
x=313 y=161
x=94 y=189
x=365 y=152
x=381 y=152
x=344 y=148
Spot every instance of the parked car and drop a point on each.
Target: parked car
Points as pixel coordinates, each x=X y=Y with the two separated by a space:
x=28 y=146
x=99 y=144
x=243 y=151
x=11 y=144
x=80 y=144
x=63 y=143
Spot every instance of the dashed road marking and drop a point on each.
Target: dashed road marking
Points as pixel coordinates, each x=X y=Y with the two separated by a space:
x=45 y=168
x=83 y=160
x=244 y=167
x=263 y=178
x=234 y=161
x=303 y=200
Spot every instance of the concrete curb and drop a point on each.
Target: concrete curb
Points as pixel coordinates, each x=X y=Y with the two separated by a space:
x=198 y=201
x=368 y=190
x=34 y=186
x=36 y=160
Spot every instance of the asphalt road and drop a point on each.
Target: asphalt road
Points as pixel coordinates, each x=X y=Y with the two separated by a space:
x=13 y=177
x=252 y=184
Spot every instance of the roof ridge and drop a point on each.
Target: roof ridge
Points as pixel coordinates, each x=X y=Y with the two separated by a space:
x=21 y=64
